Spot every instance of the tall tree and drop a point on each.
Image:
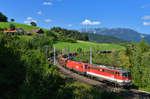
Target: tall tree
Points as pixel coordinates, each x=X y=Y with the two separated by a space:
x=3 y=18
x=12 y=20
x=33 y=24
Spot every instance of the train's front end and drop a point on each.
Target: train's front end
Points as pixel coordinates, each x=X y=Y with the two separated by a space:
x=126 y=78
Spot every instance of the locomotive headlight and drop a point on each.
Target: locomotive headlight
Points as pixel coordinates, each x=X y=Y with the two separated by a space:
x=127 y=80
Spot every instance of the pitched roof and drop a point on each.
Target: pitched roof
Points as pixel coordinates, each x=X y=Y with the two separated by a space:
x=33 y=31
x=9 y=31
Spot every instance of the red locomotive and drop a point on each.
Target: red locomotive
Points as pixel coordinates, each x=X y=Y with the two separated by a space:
x=112 y=74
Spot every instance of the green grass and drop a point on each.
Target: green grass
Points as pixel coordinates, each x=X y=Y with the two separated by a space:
x=86 y=46
x=18 y=25
x=26 y=37
x=82 y=91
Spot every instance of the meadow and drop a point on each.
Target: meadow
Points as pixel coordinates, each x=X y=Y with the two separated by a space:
x=18 y=25
x=86 y=46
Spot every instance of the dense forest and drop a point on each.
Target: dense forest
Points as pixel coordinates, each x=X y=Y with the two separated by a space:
x=68 y=35
x=25 y=72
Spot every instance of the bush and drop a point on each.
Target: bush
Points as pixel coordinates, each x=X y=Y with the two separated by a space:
x=12 y=27
x=70 y=40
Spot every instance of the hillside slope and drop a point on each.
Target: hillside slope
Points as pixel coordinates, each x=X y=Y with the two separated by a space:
x=18 y=25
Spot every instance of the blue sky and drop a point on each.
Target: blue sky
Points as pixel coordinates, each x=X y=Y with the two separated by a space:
x=76 y=14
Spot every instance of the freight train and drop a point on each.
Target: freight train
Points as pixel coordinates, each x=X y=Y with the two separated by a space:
x=112 y=74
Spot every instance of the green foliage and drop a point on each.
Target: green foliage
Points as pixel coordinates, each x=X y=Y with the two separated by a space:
x=12 y=68
x=69 y=35
x=26 y=74
x=139 y=59
x=52 y=35
x=33 y=24
x=41 y=76
x=105 y=39
x=3 y=18
x=12 y=20
x=71 y=40
x=79 y=50
x=1 y=29
x=77 y=90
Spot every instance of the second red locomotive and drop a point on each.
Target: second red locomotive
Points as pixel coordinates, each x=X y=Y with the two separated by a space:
x=112 y=74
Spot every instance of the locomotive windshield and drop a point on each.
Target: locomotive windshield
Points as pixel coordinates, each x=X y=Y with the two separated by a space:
x=126 y=74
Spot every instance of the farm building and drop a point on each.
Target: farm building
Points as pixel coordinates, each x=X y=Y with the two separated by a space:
x=37 y=31
x=10 y=31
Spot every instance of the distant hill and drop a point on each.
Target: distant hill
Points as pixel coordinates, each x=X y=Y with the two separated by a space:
x=18 y=25
x=104 y=39
x=122 y=33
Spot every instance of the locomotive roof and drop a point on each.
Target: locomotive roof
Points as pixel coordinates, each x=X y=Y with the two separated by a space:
x=111 y=67
x=117 y=68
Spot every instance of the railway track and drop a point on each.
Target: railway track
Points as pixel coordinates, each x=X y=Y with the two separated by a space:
x=128 y=94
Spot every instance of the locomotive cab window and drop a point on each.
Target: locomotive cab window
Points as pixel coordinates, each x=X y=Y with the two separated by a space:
x=124 y=75
x=117 y=73
x=85 y=66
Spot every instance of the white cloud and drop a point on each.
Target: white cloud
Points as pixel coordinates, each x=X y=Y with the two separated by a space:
x=29 y=20
x=142 y=36
x=47 y=3
x=86 y=22
x=34 y=21
x=146 y=23
x=70 y=25
x=48 y=20
x=96 y=23
x=89 y=22
x=146 y=17
x=39 y=13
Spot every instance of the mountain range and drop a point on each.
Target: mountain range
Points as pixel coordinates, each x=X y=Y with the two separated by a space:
x=122 y=33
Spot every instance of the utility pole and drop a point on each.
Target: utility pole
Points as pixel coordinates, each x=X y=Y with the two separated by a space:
x=65 y=50
x=46 y=52
x=54 y=55
x=91 y=55
x=86 y=28
x=68 y=52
